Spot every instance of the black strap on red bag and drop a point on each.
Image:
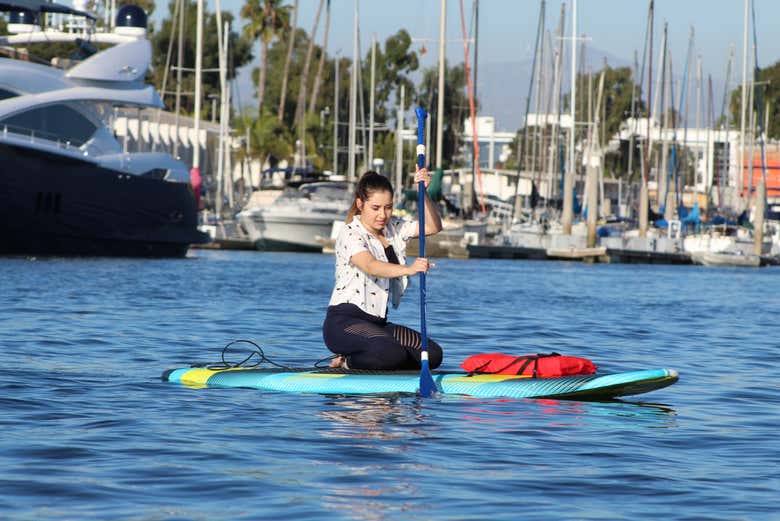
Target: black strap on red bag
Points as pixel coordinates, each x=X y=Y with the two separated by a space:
x=524 y=360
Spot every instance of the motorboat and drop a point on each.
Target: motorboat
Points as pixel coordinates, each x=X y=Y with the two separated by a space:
x=731 y=259
x=298 y=217
x=67 y=187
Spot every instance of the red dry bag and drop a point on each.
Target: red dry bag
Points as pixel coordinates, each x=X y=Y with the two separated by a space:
x=540 y=365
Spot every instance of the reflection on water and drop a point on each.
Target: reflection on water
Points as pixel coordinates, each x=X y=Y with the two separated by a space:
x=399 y=417
x=380 y=417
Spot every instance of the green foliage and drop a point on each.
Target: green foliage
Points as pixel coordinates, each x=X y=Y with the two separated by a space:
x=395 y=61
x=767 y=90
x=239 y=54
x=268 y=139
x=616 y=100
x=277 y=52
x=266 y=19
x=392 y=69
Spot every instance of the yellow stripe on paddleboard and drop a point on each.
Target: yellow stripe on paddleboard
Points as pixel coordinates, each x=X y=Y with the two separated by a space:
x=486 y=378
x=199 y=377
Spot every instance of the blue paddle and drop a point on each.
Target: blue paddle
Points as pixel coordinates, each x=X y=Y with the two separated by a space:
x=427 y=385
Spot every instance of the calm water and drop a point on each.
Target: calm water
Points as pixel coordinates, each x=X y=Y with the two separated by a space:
x=90 y=431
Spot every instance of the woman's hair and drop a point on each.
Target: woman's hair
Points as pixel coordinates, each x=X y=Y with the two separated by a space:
x=369 y=183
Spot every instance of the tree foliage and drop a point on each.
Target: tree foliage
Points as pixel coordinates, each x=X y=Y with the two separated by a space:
x=394 y=64
x=767 y=91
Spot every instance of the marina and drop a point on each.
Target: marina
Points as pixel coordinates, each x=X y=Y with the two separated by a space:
x=194 y=331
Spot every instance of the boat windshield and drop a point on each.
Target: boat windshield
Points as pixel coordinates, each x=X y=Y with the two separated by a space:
x=325 y=191
x=57 y=122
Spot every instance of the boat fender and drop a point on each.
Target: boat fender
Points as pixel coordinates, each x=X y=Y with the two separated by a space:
x=540 y=365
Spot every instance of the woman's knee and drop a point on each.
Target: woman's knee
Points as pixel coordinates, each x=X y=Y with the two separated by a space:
x=384 y=358
x=435 y=354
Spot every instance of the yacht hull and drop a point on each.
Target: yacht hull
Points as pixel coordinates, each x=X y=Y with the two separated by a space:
x=272 y=232
x=54 y=204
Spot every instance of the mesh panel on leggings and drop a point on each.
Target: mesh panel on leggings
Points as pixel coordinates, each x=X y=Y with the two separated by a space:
x=365 y=330
x=407 y=337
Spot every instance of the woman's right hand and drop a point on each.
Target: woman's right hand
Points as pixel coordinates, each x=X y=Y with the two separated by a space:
x=420 y=265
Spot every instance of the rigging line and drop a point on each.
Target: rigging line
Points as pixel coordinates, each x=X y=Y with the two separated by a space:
x=646 y=165
x=524 y=144
x=672 y=160
x=724 y=117
x=674 y=165
x=635 y=95
x=175 y=17
x=472 y=110
x=684 y=112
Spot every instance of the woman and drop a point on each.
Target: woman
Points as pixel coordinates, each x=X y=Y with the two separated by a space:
x=371 y=270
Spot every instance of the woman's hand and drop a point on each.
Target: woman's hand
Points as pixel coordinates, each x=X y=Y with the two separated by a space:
x=421 y=174
x=420 y=265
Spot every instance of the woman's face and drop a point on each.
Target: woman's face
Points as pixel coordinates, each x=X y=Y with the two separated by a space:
x=375 y=211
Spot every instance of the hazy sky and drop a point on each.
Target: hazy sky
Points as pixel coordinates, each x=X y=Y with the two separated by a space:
x=507 y=28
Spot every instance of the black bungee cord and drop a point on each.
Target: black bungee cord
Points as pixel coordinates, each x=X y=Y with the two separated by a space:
x=254 y=359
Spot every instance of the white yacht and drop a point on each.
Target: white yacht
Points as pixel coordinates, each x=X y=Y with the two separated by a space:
x=66 y=185
x=294 y=220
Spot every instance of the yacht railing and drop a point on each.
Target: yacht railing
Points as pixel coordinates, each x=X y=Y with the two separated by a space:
x=39 y=135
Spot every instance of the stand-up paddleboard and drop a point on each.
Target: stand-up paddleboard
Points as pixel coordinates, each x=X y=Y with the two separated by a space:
x=345 y=381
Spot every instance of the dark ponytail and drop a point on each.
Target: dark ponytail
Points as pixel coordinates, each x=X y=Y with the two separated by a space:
x=369 y=183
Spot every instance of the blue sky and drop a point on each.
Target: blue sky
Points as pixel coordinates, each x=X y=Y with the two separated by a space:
x=508 y=27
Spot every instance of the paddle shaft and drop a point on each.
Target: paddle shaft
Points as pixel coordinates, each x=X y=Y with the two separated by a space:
x=421 y=115
x=427 y=385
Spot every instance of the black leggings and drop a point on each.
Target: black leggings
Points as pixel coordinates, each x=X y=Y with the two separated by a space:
x=370 y=342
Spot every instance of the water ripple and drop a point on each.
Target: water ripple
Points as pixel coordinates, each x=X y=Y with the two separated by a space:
x=89 y=428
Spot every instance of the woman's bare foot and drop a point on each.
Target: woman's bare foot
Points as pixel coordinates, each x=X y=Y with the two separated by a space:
x=338 y=361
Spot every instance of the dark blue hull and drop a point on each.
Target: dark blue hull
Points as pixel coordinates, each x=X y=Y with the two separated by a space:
x=57 y=205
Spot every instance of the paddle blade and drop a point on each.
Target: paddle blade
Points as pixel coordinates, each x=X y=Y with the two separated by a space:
x=427 y=385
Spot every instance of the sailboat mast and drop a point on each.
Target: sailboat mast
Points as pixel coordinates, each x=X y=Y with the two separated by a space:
x=644 y=202
x=371 y=105
x=337 y=71
x=741 y=155
x=198 y=81
x=556 y=96
x=522 y=144
x=440 y=94
x=179 y=69
x=353 y=98
x=399 y=144
x=568 y=179
x=476 y=174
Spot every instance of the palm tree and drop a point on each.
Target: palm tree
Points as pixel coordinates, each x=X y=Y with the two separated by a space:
x=286 y=73
x=267 y=19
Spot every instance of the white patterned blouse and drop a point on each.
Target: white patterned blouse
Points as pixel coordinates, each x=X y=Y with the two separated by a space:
x=353 y=285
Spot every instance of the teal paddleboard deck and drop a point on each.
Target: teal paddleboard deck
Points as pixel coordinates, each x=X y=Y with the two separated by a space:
x=343 y=381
